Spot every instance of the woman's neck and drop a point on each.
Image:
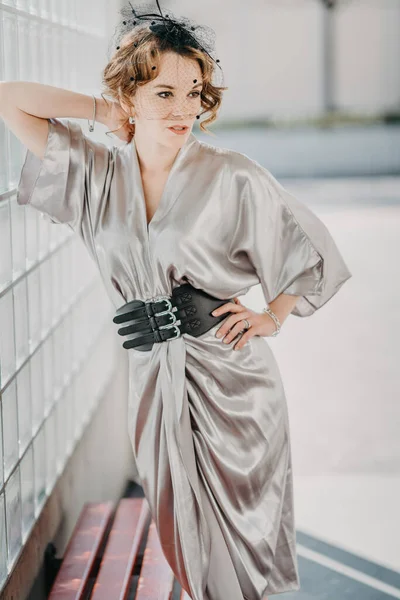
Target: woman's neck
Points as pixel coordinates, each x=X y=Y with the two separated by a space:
x=153 y=156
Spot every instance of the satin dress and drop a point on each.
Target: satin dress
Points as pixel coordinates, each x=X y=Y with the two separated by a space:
x=208 y=425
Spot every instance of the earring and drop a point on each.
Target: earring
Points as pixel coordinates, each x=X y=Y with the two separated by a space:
x=131 y=120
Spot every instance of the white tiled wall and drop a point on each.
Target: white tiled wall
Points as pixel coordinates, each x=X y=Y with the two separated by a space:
x=55 y=350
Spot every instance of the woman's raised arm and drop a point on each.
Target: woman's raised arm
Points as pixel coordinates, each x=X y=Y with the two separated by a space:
x=25 y=107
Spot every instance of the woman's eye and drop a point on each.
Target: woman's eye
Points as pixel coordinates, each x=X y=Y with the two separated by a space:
x=161 y=96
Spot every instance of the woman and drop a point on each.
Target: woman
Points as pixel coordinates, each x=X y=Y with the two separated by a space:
x=207 y=414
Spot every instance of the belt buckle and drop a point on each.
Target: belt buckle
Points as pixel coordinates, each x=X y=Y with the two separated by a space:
x=177 y=330
x=164 y=312
x=165 y=299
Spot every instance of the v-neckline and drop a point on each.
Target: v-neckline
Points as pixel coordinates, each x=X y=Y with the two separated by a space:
x=138 y=176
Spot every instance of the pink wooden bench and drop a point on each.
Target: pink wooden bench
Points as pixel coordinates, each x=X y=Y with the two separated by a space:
x=113 y=552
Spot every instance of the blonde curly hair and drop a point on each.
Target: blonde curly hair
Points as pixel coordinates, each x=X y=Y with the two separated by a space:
x=131 y=66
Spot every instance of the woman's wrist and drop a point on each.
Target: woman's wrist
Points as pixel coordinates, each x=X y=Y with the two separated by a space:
x=274 y=323
x=283 y=305
x=102 y=110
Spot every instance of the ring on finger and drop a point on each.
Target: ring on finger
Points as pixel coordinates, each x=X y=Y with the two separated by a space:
x=246 y=327
x=247 y=324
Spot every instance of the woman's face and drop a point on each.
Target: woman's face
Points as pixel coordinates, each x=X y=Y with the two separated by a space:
x=171 y=99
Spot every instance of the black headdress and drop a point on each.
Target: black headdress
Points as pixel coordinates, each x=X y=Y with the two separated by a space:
x=175 y=33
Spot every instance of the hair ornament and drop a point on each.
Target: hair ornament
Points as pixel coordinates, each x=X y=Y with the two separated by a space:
x=175 y=33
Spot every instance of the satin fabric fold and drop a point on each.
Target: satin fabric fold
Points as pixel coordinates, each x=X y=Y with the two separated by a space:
x=209 y=426
x=194 y=534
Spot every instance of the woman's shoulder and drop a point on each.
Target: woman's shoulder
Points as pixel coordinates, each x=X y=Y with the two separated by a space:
x=254 y=183
x=237 y=162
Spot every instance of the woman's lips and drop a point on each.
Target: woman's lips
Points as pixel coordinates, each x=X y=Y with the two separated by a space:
x=179 y=131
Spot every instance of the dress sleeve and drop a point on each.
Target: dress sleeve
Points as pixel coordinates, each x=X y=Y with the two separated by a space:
x=70 y=184
x=290 y=248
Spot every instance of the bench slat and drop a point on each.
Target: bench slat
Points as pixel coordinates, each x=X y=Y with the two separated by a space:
x=72 y=578
x=156 y=579
x=129 y=527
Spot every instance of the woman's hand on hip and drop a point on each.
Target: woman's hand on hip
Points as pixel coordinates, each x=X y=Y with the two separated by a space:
x=260 y=323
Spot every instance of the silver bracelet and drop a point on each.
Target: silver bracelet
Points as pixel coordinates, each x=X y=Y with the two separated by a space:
x=275 y=319
x=91 y=126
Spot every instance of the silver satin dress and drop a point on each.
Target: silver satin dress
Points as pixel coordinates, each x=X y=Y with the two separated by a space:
x=209 y=426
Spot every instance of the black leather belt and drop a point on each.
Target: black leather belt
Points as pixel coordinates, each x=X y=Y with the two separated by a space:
x=163 y=318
